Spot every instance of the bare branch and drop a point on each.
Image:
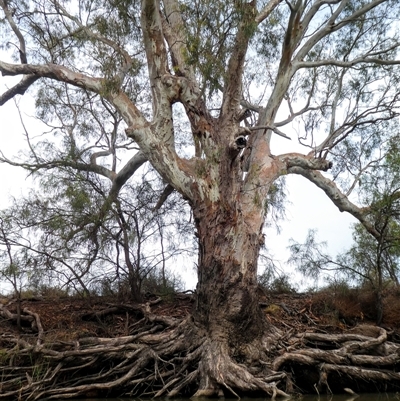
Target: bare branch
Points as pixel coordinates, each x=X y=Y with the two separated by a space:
x=168 y=190
x=53 y=71
x=126 y=172
x=247 y=105
x=94 y=156
x=347 y=64
x=310 y=163
x=337 y=197
x=267 y=10
x=14 y=27
x=270 y=127
x=18 y=89
x=48 y=165
x=383 y=111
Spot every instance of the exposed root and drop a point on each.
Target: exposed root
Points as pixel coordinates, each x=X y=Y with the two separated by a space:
x=165 y=359
x=354 y=357
x=160 y=356
x=167 y=356
x=219 y=371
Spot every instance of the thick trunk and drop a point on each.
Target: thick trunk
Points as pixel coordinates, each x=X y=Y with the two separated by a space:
x=229 y=215
x=227 y=311
x=227 y=303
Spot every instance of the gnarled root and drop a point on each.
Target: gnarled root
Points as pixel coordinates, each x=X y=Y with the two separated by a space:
x=351 y=358
x=219 y=372
x=166 y=359
x=168 y=356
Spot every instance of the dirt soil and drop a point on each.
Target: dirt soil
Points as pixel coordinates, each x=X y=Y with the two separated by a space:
x=326 y=339
x=71 y=318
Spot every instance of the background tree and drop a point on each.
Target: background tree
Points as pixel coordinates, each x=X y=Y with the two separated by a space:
x=13 y=266
x=66 y=243
x=82 y=226
x=242 y=72
x=371 y=260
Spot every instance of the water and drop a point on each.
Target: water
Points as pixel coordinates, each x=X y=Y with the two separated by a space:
x=323 y=397
x=349 y=397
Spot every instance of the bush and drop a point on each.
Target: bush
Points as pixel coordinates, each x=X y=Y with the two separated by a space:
x=279 y=285
x=155 y=283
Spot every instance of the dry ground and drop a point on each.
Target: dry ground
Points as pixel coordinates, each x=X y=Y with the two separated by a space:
x=71 y=318
x=325 y=335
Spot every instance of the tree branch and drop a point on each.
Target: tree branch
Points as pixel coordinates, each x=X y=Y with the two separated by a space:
x=233 y=82
x=47 y=165
x=126 y=172
x=267 y=10
x=347 y=64
x=168 y=190
x=270 y=127
x=329 y=27
x=155 y=49
x=53 y=71
x=173 y=28
x=310 y=163
x=14 y=27
x=337 y=197
x=19 y=89
x=367 y=117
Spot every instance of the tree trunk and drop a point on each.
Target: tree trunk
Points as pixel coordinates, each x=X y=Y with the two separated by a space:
x=227 y=303
x=227 y=306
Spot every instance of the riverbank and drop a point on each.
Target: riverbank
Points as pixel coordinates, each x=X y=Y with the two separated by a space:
x=104 y=346
x=74 y=317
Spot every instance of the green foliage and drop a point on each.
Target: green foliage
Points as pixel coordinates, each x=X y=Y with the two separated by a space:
x=211 y=27
x=47 y=291
x=164 y=285
x=276 y=283
x=269 y=36
x=337 y=286
x=65 y=240
x=309 y=257
x=282 y=285
x=372 y=260
x=276 y=202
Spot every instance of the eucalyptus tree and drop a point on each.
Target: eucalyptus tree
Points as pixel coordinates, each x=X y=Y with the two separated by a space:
x=244 y=73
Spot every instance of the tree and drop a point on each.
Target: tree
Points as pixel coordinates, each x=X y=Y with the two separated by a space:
x=371 y=260
x=11 y=270
x=60 y=238
x=382 y=192
x=235 y=68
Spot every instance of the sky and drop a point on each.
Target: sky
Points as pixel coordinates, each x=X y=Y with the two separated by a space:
x=308 y=206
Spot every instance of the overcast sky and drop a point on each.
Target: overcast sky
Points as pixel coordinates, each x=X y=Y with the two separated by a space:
x=308 y=208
